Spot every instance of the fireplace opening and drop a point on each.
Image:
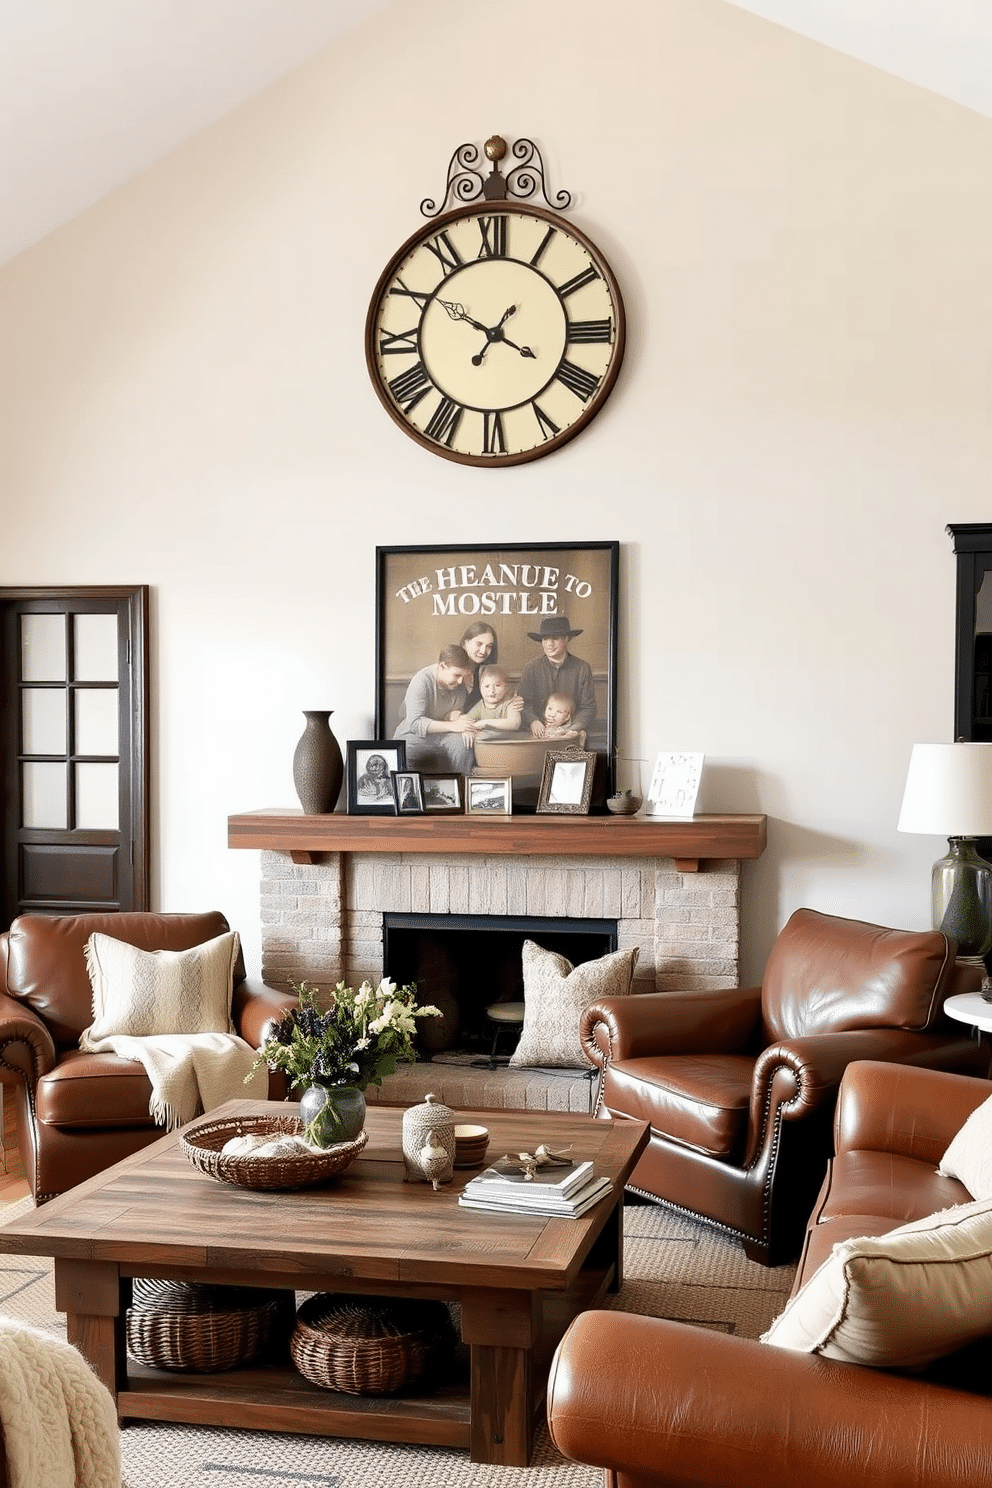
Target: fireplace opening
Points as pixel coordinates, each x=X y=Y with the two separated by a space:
x=465 y=963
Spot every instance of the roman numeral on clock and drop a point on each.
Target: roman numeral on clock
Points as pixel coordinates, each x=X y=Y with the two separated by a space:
x=578 y=381
x=589 y=330
x=547 y=425
x=493 y=231
x=445 y=252
x=577 y=281
x=420 y=295
x=444 y=421
x=410 y=386
x=493 y=437
x=542 y=246
x=392 y=344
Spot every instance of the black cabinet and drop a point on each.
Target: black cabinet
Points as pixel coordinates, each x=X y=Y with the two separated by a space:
x=973 y=632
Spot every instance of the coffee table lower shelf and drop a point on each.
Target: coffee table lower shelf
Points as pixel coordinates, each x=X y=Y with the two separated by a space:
x=491 y=1408
x=278 y=1399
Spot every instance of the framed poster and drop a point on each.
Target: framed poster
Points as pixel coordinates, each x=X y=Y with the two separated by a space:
x=488 y=655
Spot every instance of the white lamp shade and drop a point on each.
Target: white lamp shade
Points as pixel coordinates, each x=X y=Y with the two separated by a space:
x=948 y=791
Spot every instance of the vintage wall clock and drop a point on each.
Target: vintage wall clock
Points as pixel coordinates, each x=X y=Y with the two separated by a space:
x=496 y=332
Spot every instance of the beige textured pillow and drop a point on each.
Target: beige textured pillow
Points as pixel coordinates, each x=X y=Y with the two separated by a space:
x=900 y=1300
x=142 y=993
x=555 y=996
x=969 y=1156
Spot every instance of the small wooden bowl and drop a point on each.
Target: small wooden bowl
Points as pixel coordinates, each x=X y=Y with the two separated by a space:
x=471 y=1143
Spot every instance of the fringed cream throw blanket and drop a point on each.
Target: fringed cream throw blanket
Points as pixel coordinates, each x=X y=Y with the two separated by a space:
x=59 y=1422
x=171 y=1012
x=190 y=1072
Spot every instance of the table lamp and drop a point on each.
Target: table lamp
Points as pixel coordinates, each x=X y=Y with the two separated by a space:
x=949 y=794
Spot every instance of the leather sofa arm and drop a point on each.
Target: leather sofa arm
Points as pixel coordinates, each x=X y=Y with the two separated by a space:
x=905 y=1110
x=818 y=1061
x=654 y=1023
x=255 y=1007
x=27 y=1049
x=670 y=1404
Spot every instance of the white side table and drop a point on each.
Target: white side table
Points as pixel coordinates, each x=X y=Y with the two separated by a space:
x=970 y=1007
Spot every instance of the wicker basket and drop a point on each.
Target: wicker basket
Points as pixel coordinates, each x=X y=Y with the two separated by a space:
x=369 y=1345
x=190 y=1326
x=202 y=1146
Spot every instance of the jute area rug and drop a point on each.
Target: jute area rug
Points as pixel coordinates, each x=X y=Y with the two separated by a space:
x=674 y=1268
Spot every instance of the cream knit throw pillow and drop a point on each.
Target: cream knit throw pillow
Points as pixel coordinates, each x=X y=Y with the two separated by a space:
x=555 y=996
x=144 y=993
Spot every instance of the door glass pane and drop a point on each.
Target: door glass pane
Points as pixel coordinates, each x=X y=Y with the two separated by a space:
x=96 y=720
x=43 y=648
x=96 y=648
x=96 y=797
x=43 y=720
x=44 y=795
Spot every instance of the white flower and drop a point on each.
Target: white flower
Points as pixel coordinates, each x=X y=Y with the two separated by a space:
x=363 y=996
x=386 y=987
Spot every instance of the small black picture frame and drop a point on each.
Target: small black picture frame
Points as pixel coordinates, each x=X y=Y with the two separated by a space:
x=444 y=795
x=371 y=766
x=408 y=793
x=566 y=784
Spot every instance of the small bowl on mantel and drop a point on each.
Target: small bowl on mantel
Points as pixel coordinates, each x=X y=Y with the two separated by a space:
x=623 y=803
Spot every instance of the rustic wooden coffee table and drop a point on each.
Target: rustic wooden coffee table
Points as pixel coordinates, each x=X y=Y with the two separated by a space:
x=519 y=1280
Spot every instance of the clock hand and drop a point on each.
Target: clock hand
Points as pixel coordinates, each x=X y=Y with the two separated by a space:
x=457 y=312
x=524 y=351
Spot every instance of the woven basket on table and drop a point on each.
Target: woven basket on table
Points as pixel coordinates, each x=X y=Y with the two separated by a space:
x=185 y=1325
x=202 y=1144
x=369 y=1345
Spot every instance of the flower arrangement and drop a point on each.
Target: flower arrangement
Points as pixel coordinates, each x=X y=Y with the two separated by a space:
x=357 y=1040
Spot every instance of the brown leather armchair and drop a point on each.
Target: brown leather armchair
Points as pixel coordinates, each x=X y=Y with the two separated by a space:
x=739 y=1086
x=79 y=1113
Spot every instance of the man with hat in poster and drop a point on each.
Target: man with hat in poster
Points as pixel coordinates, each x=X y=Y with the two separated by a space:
x=557 y=670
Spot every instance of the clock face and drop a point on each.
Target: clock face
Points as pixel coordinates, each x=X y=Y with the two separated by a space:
x=495 y=334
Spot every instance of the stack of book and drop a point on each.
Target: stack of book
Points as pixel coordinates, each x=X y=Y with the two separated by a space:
x=556 y=1192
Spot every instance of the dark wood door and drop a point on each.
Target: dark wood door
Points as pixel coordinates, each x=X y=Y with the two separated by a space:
x=75 y=751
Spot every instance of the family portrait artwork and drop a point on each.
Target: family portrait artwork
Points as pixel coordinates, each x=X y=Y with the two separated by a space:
x=489 y=656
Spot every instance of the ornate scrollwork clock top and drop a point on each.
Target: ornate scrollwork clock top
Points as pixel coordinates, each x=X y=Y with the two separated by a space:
x=495 y=332
x=523 y=182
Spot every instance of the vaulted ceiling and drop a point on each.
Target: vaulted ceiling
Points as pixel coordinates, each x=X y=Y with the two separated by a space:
x=94 y=91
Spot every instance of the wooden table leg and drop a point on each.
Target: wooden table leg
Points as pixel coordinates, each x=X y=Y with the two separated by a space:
x=501 y=1329
x=89 y=1293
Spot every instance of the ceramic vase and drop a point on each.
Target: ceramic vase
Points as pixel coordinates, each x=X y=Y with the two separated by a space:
x=331 y=1114
x=318 y=768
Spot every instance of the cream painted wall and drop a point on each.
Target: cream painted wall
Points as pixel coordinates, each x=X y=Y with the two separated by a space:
x=803 y=245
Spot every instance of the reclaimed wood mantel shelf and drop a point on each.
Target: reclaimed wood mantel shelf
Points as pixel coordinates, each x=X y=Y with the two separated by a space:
x=688 y=843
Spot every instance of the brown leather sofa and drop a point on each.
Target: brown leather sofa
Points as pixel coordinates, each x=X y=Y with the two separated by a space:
x=739 y=1086
x=661 y=1404
x=79 y=1113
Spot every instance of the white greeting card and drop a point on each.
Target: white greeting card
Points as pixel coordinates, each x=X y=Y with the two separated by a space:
x=674 y=786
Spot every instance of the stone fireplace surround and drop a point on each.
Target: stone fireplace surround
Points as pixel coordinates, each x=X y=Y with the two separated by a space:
x=673 y=888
